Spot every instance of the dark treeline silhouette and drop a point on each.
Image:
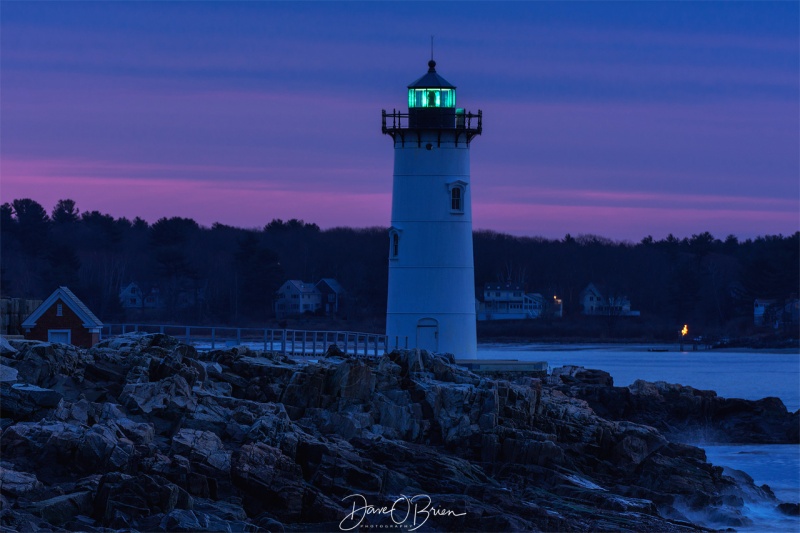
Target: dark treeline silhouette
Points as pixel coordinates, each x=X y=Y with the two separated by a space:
x=227 y=275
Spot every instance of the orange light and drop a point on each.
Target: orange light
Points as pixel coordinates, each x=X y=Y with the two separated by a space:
x=685 y=330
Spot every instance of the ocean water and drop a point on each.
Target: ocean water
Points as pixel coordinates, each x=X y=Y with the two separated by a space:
x=748 y=374
x=751 y=375
x=778 y=466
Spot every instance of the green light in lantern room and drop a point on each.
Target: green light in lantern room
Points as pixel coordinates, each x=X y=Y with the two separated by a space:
x=431 y=97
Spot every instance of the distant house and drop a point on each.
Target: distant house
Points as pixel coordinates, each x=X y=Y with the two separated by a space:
x=791 y=312
x=140 y=296
x=776 y=313
x=762 y=309
x=593 y=302
x=331 y=294
x=63 y=318
x=296 y=297
x=509 y=301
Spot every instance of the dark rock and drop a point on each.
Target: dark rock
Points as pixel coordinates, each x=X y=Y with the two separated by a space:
x=13 y=483
x=27 y=402
x=791 y=509
x=58 y=448
x=8 y=374
x=584 y=376
x=18 y=520
x=40 y=363
x=193 y=520
x=144 y=433
x=124 y=498
x=6 y=349
x=265 y=471
x=334 y=351
x=170 y=398
x=686 y=414
x=60 y=509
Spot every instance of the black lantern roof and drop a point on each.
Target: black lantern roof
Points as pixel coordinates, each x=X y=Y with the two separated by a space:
x=431 y=80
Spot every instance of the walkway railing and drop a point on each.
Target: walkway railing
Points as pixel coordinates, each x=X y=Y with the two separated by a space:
x=285 y=341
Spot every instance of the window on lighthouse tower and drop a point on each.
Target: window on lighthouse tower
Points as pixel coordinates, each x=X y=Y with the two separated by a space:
x=455 y=199
x=457 y=192
x=394 y=244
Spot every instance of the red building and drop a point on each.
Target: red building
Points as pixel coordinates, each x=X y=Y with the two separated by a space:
x=63 y=318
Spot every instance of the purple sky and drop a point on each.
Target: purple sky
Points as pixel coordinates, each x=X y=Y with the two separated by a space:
x=618 y=119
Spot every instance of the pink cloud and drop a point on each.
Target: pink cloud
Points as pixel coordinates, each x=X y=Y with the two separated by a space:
x=241 y=203
x=631 y=223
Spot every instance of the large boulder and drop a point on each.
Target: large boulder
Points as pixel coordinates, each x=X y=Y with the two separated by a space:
x=54 y=448
x=686 y=414
x=127 y=500
x=14 y=483
x=169 y=398
x=41 y=363
x=27 y=402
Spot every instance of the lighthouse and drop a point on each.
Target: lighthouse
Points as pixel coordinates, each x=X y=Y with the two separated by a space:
x=431 y=299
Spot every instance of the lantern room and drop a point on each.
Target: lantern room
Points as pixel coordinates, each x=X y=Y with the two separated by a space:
x=431 y=90
x=431 y=101
x=431 y=107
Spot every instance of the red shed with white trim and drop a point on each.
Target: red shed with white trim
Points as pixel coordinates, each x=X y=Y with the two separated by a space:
x=63 y=318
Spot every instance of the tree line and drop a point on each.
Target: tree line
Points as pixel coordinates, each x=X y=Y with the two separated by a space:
x=233 y=273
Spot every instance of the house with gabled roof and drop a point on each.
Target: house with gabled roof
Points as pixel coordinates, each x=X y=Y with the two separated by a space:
x=594 y=302
x=63 y=318
x=508 y=301
x=140 y=296
x=331 y=294
x=776 y=312
x=297 y=297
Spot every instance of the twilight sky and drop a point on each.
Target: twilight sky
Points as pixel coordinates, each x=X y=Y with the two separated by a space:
x=621 y=119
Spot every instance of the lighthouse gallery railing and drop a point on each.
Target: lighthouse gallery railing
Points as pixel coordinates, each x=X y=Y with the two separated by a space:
x=396 y=124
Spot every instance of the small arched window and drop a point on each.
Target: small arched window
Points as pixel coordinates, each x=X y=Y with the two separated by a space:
x=457 y=190
x=394 y=243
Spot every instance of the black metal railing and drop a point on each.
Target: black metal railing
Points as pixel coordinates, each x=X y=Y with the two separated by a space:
x=401 y=124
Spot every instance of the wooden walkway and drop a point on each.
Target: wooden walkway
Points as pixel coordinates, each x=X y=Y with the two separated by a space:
x=285 y=341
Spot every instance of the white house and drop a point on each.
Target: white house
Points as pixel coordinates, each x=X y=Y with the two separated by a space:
x=509 y=301
x=776 y=313
x=593 y=302
x=760 y=307
x=134 y=296
x=330 y=295
x=296 y=297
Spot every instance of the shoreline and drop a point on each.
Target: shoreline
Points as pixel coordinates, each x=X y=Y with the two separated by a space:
x=161 y=437
x=570 y=345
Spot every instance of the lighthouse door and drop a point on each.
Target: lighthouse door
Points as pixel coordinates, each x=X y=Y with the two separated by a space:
x=428 y=334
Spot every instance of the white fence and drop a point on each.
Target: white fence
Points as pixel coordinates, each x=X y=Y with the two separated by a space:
x=285 y=341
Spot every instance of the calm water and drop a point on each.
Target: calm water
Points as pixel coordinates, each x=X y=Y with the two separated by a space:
x=751 y=375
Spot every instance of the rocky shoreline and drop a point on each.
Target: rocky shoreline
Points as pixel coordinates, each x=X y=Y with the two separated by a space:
x=145 y=433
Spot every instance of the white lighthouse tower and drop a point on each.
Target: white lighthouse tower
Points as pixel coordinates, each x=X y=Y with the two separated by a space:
x=431 y=301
